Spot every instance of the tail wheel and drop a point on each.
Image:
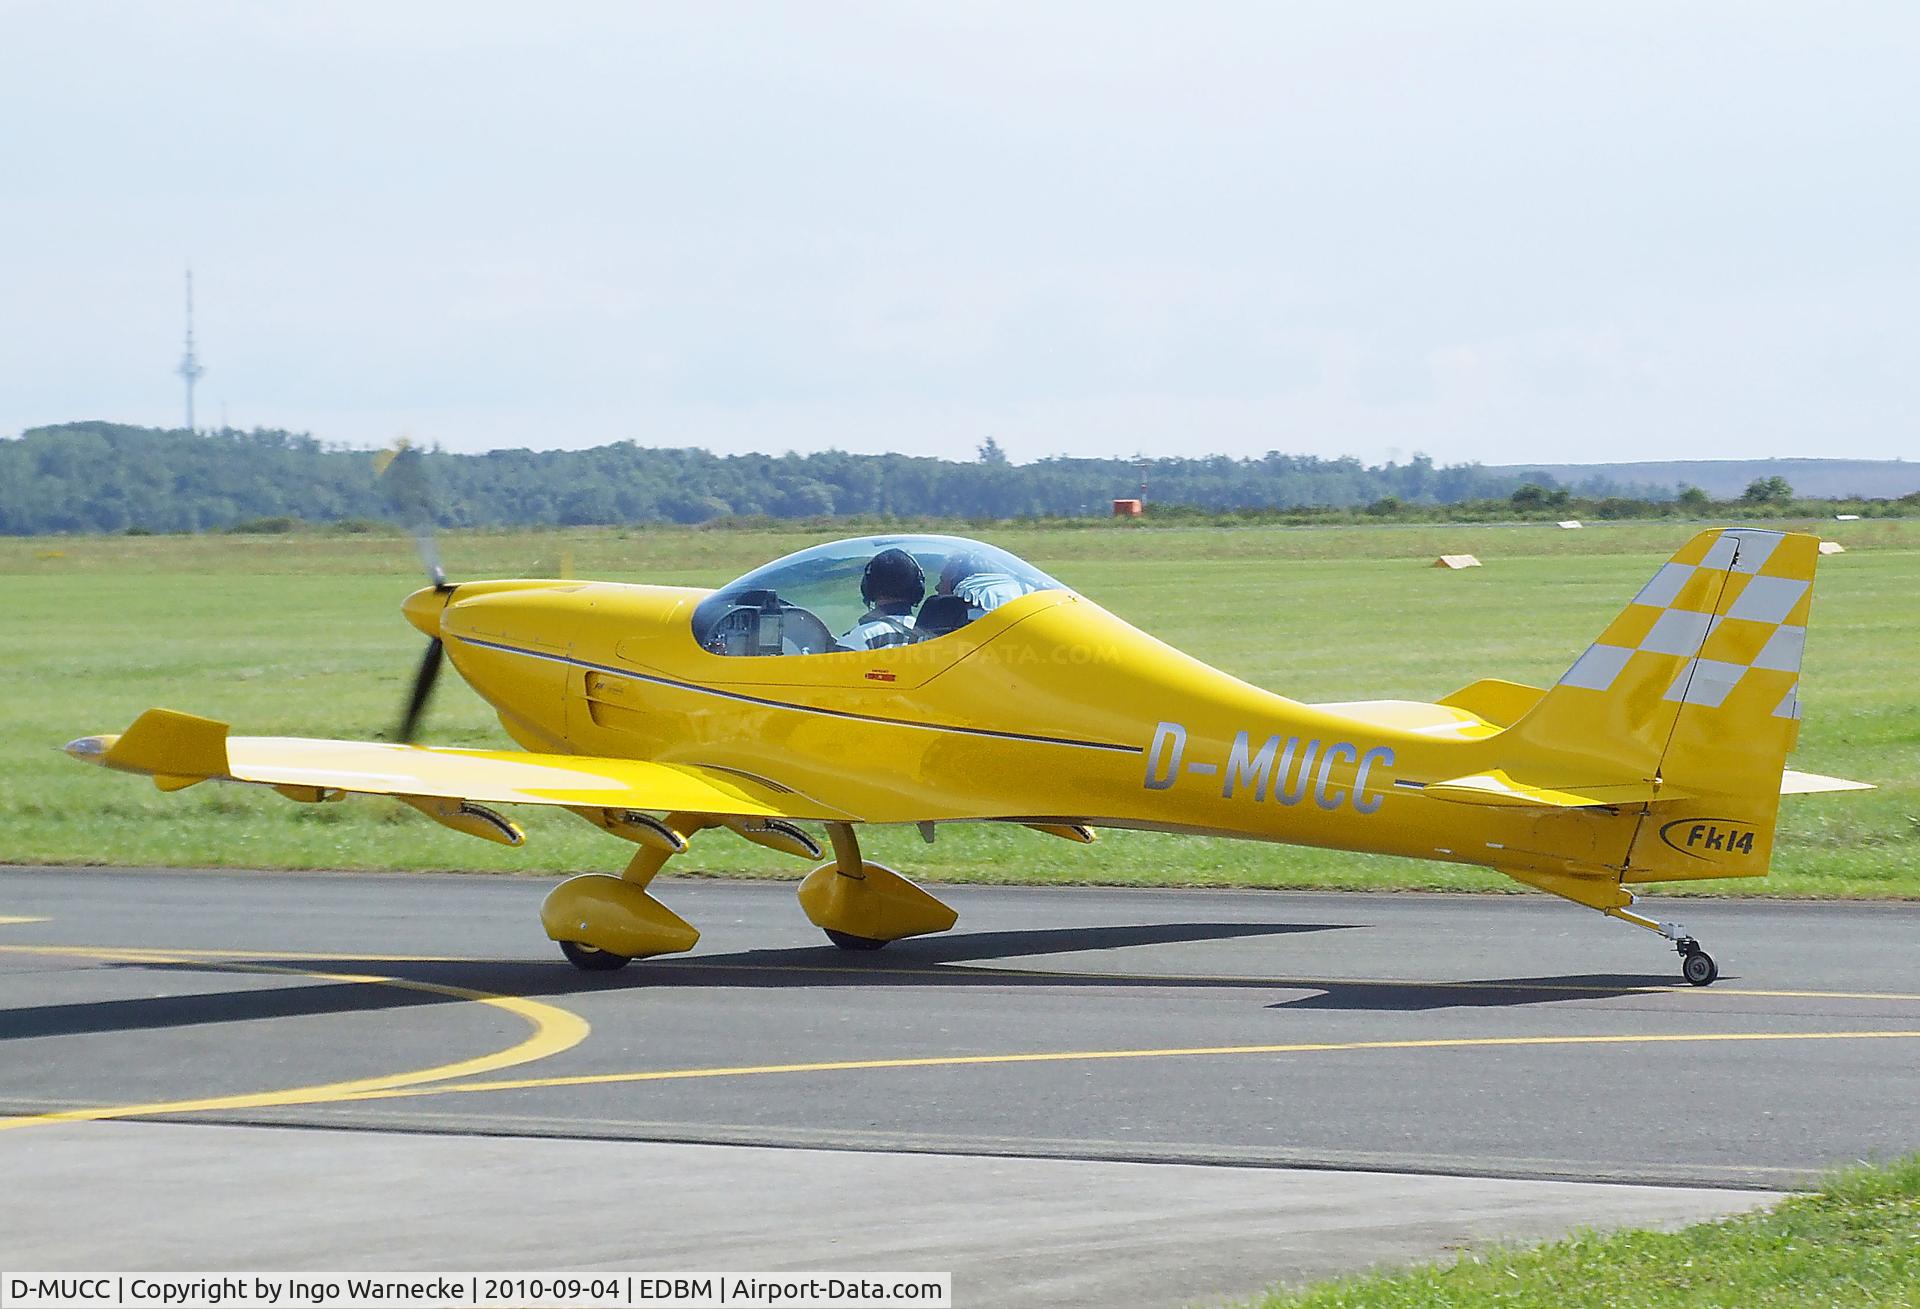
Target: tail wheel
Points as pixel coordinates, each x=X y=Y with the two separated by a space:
x=1698 y=967
x=589 y=960
x=848 y=941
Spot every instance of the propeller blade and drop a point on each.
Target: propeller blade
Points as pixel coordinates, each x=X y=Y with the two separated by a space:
x=422 y=689
x=429 y=550
x=402 y=472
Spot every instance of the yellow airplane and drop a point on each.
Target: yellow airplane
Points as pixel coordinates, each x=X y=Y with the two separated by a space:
x=931 y=679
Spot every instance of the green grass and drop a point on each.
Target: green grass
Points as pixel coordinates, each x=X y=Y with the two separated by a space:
x=301 y=635
x=1856 y=1242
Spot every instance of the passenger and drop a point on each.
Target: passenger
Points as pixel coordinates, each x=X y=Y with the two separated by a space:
x=982 y=587
x=890 y=586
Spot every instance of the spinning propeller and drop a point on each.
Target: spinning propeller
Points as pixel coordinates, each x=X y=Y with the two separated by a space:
x=403 y=477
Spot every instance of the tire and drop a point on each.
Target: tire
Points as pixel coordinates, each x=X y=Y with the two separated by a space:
x=848 y=941
x=1699 y=968
x=589 y=960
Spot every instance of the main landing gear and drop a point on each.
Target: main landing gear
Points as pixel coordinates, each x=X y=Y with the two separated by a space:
x=603 y=923
x=862 y=905
x=589 y=960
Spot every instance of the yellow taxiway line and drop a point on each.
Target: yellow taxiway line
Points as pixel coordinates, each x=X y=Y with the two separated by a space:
x=554 y=1030
x=1075 y=1056
x=557 y=1029
x=175 y=955
x=5 y=921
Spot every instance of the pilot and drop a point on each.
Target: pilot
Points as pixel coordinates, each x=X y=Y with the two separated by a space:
x=890 y=585
x=981 y=586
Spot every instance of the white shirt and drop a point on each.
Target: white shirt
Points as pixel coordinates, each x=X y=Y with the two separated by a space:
x=877 y=631
x=984 y=591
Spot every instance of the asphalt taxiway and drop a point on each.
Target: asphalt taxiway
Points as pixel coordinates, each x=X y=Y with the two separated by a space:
x=1544 y=1064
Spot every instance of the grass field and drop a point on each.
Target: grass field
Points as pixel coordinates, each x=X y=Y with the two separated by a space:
x=302 y=635
x=1855 y=1243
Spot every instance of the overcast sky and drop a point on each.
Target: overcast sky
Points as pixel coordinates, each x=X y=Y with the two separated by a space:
x=1565 y=232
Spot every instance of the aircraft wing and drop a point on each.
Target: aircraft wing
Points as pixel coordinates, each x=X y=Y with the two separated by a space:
x=178 y=750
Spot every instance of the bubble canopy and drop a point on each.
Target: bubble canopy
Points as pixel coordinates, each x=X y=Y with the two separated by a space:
x=860 y=594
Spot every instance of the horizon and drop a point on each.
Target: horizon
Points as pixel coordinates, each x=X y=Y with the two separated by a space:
x=350 y=447
x=1585 y=236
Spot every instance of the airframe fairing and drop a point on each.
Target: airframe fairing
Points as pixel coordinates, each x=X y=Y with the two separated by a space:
x=656 y=712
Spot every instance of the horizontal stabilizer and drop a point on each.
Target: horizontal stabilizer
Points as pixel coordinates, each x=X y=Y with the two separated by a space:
x=1794 y=782
x=1495 y=787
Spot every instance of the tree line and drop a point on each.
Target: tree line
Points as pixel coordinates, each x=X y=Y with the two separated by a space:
x=111 y=477
x=1765 y=499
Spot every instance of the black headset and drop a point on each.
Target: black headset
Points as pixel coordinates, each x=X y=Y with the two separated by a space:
x=893 y=573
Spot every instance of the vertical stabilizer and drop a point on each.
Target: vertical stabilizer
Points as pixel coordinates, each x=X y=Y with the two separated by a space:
x=1694 y=689
x=1696 y=683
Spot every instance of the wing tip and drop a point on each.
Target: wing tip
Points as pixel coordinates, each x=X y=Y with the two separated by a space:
x=161 y=743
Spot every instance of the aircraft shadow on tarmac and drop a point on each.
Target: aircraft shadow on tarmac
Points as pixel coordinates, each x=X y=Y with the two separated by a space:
x=1386 y=996
x=958 y=960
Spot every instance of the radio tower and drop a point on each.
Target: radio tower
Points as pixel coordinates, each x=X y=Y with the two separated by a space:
x=190 y=369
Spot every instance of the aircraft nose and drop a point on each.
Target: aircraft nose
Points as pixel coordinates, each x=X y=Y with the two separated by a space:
x=423 y=608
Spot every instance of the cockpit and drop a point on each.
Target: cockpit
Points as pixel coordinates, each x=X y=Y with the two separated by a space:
x=866 y=593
